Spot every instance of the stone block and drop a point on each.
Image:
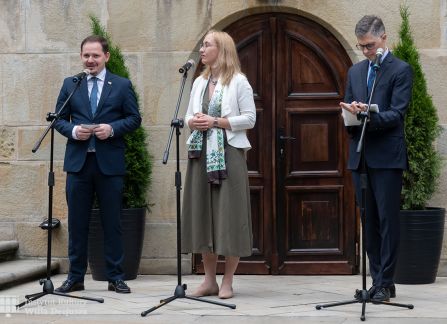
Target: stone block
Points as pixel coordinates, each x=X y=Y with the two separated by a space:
x=434 y=66
x=160 y=241
x=2 y=95
x=8 y=149
x=27 y=138
x=27 y=98
x=441 y=142
x=163 y=192
x=7 y=231
x=223 y=13
x=158 y=139
x=161 y=87
x=33 y=240
x=133 y=64
x=59 y=26
x=64 y=267
x=60 y=209
x=160 y=26
x=24 y=193
x=149 y=266
x=439 y=199
x=12 y=27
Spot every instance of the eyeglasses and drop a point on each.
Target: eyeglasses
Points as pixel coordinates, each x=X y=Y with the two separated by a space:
x=368 y=46
x=206 y=45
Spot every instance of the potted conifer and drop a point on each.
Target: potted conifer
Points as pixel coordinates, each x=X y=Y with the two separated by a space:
x=422 y=227
x=136 y=184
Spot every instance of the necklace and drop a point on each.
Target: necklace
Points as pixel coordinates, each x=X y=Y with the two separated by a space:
x=213 y=82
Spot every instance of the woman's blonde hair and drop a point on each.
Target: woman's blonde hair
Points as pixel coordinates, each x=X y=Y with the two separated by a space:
x=227 y=59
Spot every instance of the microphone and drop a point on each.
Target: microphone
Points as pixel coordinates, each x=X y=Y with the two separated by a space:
x=378 y=59
x=187 y=66
x=78 y=77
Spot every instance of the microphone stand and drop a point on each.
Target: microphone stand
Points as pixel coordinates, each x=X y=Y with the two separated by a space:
x=50 y=223
x=180 y=289
x=363 y=295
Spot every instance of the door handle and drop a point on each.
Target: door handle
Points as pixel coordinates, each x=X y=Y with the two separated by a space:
x=284 y=138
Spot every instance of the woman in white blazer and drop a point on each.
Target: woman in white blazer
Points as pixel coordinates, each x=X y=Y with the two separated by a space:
x=216 y=201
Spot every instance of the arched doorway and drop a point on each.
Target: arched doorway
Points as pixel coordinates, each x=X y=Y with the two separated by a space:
x=303 y=208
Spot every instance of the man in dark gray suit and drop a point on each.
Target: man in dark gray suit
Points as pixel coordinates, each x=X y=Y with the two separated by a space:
x=96 y=118
x=384 y=148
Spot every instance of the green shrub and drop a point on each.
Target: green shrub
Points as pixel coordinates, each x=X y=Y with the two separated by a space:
x=138 y=160
x=421 y=127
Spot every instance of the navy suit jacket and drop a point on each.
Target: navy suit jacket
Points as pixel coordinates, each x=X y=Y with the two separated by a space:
x=117 y=107
x=384 y=141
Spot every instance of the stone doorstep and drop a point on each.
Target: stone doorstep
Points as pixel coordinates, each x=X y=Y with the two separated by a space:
x=16 y=272
x=8 y=250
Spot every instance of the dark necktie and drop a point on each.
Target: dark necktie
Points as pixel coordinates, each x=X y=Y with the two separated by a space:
x=371 y=77
x=94 y=96
x=93 y=106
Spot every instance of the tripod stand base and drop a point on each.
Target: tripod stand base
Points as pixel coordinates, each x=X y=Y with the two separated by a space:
x=48 y=289
x=180 y=293
x=363 y=300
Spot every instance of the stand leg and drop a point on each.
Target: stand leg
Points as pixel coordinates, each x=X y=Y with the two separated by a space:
x=49 y=290
x=363 y=300
x=180 y=293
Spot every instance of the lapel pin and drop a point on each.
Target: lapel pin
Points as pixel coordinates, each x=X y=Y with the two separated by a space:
x=109 y=82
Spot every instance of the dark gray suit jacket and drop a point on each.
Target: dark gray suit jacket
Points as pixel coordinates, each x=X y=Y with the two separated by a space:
x=384 y=141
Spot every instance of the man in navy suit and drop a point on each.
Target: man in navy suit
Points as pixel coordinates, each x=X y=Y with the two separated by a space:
x=101 y=111
x=384 y=148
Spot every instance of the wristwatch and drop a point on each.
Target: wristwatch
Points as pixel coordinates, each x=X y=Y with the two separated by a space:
x=215 y=123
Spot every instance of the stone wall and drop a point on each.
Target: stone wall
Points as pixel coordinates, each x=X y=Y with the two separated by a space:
x=39 y=46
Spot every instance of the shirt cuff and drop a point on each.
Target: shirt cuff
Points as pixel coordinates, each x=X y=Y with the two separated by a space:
x=73 y=132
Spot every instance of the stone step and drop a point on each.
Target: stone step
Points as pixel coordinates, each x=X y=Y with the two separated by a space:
x=8 y=250
x=16 y=272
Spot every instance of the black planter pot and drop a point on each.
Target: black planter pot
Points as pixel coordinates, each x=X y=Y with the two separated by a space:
x=132 y=224
x=421 y=235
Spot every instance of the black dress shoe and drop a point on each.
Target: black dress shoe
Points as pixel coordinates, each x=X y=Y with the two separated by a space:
x=119 y=286
x=70 y=285
x=371 y=292
x=392 y=289
x=382 y=294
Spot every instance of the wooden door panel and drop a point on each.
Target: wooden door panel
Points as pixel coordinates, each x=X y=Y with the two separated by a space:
x=317 y=151
x=307 y=73
x=313 y=221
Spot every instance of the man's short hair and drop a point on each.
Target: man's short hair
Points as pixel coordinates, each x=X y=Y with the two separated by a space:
x=96 y=39
x=370 y=24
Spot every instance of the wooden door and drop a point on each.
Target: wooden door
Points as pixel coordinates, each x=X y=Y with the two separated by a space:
x=303 y=208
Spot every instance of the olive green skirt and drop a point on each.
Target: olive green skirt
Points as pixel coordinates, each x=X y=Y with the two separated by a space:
x=217 y=218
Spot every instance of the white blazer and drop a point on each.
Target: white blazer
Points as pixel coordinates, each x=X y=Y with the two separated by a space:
x=238 y=106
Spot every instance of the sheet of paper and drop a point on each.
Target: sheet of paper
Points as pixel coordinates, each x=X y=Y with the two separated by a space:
x=351 y=119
